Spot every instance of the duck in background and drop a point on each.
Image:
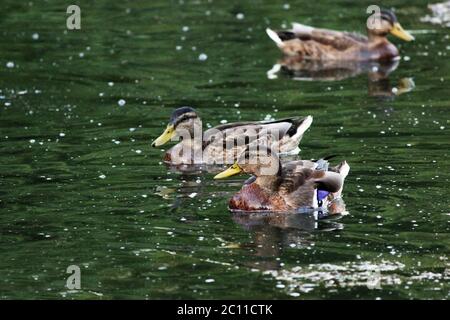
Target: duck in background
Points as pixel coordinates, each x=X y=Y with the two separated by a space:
x=288 y=187
x=324 y=44
x=222 y=144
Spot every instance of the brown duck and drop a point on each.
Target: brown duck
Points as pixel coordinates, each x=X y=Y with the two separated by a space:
x=324 y=44
x=222 y=144
x=286 y=187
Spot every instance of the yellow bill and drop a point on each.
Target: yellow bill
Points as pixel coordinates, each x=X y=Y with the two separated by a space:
x=231 y=171
x=165 y=137
x=401 y=33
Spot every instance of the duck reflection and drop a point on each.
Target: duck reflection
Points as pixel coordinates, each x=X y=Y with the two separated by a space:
x=272 y=233
x=312 y=70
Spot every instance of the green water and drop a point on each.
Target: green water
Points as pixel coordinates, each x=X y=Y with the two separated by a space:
x=80 y=184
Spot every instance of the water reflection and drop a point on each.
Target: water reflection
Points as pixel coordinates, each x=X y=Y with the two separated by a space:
x=377 y=72
x=272 y=232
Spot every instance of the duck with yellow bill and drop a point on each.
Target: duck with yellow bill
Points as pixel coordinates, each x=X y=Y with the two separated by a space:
x=223 y=143
x=324 y=44
x=284 y=187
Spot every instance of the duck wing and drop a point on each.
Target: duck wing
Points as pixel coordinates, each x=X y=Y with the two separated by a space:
x=300 y=179
x=337 y=39
x=250 y=131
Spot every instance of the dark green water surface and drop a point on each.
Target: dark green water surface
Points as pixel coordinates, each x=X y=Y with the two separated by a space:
x=81 y=185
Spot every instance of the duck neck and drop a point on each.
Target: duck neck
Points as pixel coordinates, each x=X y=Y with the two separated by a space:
x=376 y=37
x=269 y=183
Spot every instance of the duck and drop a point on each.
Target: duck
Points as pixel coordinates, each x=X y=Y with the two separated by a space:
x=324 y=44
x=222 y=144
x=285 y=187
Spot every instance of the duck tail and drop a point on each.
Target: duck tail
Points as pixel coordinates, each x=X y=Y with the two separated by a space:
x=343 y=168
x=301 y=28
x=274 y=36
x=301 y=126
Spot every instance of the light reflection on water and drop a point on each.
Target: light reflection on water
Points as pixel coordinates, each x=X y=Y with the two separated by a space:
x=80 y=184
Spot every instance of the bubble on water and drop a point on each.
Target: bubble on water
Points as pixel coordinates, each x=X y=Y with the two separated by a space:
x=62 y=134
x=32 y=141
x=178 y=48
x=35 y=36
x=406 y=58
x=138 y=151
x=185 y=28
x=286 y=6
x=110 y=83
x=81 y=54
x=240 y=16
x=223 y=121
x=202 y=57
x=10 y=64
x=121 y=102
x=209 y=280
x=102 y=176
x=192 y=195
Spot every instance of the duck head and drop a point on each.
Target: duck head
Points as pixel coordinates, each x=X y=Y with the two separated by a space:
x=388 y=23
x=183 y=119
x=257 y=160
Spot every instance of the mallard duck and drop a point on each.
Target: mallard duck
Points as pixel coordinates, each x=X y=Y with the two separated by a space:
x=286 y=187
x=301 y=69
x=222 y=144
x=323 y=44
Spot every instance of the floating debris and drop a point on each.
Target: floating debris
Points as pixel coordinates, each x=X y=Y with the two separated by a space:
x=368 y=274
x=440 y=14
x=121 y=102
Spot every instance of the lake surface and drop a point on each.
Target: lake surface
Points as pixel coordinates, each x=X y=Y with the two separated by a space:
x=80 y=184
